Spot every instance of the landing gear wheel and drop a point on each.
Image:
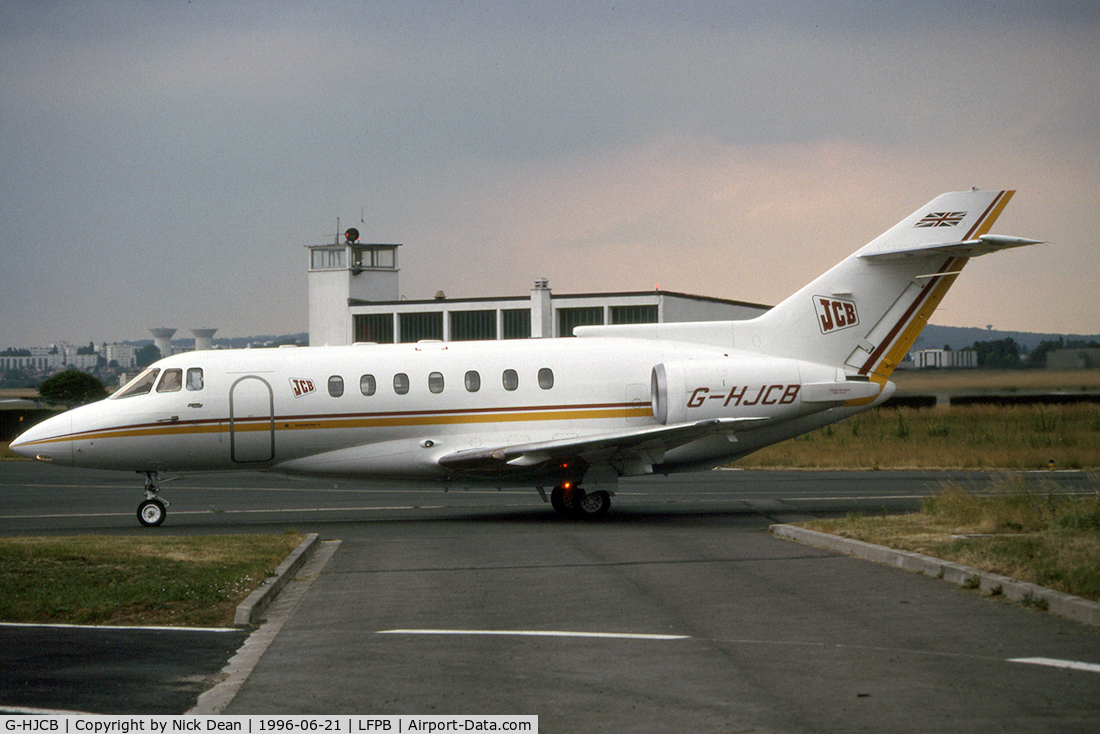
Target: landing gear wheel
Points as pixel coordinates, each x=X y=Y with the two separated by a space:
x=562 y=500
x=151 y=513
x=591 y=505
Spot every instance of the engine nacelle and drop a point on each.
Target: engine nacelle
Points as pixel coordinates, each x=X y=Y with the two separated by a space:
x=693 y=390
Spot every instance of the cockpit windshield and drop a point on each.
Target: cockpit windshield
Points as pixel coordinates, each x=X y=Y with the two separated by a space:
x=140 y=385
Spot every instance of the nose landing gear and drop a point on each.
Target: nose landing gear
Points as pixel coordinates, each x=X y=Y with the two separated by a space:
x=152 y=511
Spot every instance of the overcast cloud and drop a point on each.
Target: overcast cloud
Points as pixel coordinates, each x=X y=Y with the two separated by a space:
x=164 y=163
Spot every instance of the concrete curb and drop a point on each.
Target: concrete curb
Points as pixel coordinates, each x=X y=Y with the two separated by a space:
x=1062 y=605
x=249 y=611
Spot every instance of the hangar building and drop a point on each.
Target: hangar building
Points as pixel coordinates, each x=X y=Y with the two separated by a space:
x=354 y=297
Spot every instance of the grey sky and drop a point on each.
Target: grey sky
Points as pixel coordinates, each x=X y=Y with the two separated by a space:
x=164 y=163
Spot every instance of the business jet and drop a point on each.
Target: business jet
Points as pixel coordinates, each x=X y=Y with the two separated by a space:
x=571 y=415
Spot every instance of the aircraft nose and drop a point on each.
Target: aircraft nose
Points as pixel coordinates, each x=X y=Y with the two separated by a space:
x=51 y=440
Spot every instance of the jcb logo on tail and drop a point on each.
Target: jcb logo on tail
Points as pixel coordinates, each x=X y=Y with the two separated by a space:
x=834 y=314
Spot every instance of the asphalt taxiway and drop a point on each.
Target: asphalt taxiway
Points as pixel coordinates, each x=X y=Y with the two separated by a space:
x=678 y=612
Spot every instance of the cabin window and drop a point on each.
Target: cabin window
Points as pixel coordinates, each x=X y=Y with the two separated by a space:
x=194 y=379
x=435 y=382
x=510 y=379
x=473 y=381
x=367 y=385
x=171 y=381
x=546 y=378
x=140 y=385
x=401 y=383
x=336 y=386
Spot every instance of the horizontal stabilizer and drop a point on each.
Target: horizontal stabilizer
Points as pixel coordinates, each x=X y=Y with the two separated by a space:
x=983 y=245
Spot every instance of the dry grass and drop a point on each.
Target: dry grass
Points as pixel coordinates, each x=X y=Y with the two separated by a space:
x=179 y=581
x=975 y=381
x=963 y=437
x=1016 y=527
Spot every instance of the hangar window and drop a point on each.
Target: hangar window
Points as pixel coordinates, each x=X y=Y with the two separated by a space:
x=336 y=386
x=435 y=382
x=140 y=385
x=546 y=378
x=373 y=327
x=473 y=325
x=517 y=323
x=401 y=383
x=367 y=385
x=473 y=381
x=418 y=326
x=510 y=379
x=571 y=317
x=171 y=381
x=644 y=314
x=194 y=378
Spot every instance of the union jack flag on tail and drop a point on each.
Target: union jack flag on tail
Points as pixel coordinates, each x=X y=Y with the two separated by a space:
x=941 y=219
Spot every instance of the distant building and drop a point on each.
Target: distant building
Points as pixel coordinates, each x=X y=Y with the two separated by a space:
x=124 y=354
x=1073 y=359
x=943 y=359
x=32 y=363
x=354 y=297
x=83 y=362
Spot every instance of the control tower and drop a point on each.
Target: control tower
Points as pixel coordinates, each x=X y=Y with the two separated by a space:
x=344 y=273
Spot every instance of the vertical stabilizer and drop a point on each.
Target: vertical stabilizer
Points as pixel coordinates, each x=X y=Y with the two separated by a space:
x=864 y=314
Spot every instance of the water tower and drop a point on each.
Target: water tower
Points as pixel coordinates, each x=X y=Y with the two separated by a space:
x=162 y=337
x=204 y=339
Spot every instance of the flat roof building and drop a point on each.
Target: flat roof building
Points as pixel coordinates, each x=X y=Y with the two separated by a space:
x=354 y=297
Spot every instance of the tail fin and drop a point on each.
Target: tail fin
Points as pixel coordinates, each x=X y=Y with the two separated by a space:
x=865 y=313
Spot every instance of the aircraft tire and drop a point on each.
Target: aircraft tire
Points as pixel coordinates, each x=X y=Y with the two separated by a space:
x=151 y=513
x=592 y=505
x=562 y=501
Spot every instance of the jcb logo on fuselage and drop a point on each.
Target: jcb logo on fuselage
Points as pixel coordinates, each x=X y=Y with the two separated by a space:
x=834 y=314
x=301 y=386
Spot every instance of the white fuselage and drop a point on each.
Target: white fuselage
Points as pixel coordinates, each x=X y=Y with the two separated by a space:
x=393 y=410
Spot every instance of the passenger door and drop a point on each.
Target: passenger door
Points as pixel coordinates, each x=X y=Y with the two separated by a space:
x=251 y=420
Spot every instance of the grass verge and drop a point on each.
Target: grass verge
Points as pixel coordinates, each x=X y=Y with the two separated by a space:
x=192 y=581
x=960 y=437
x=1016 y=527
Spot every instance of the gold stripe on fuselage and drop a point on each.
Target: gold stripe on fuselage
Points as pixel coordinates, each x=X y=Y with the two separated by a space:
x=360 y=420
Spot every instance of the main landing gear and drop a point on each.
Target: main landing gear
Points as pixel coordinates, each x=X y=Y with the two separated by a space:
x=575 y=502
x=152 y=511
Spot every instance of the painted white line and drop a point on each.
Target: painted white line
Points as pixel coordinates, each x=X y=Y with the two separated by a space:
x=23 y=711
x=241 y=665
x=535 y=633
x=1053 y=663
x=118 y=627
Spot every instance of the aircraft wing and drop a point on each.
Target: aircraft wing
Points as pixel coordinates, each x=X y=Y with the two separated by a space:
x=634 y=450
